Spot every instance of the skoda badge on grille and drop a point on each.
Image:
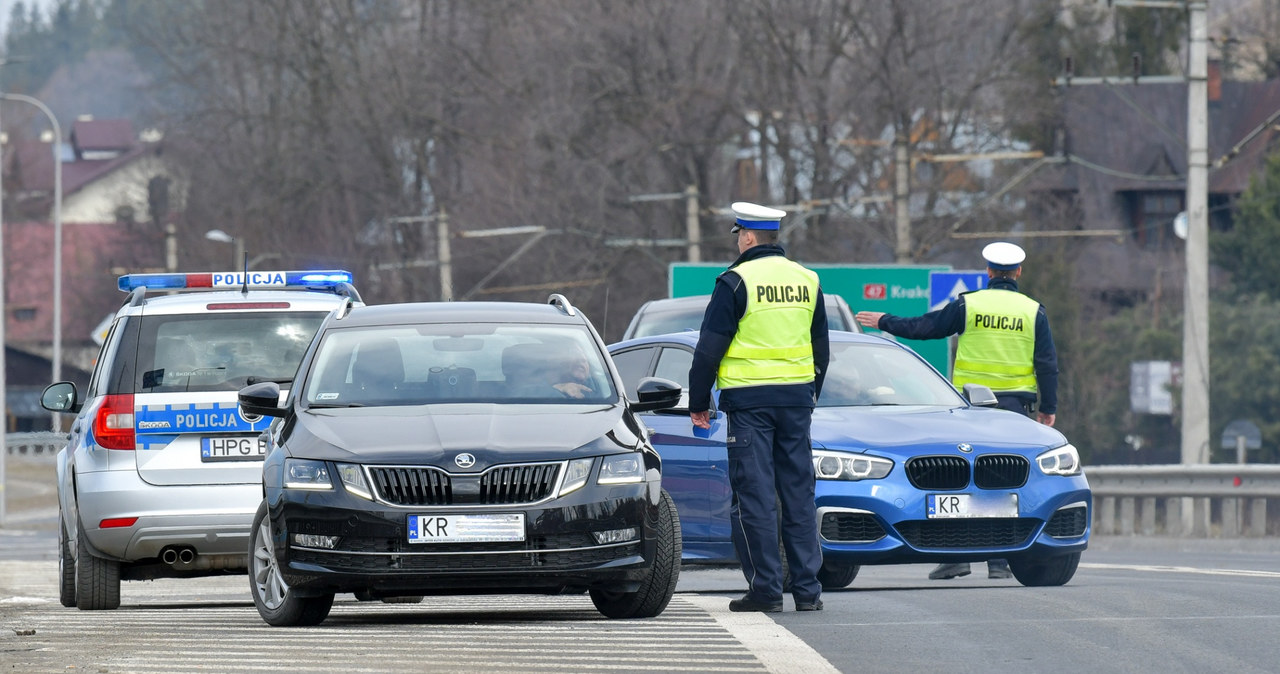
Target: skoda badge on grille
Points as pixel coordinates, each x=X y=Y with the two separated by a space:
x=464 y=460
x=964 y=447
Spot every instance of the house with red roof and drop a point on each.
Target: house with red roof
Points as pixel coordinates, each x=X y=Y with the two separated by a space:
x=116 y=199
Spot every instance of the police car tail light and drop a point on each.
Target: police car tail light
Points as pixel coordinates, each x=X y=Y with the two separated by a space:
x=113 y=423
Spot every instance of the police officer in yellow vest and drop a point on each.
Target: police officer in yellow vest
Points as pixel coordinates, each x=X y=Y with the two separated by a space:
x=764 y=345
x=1005 y=344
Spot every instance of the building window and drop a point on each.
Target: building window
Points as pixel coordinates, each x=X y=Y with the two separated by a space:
x=1153 y=214
x=24 y=314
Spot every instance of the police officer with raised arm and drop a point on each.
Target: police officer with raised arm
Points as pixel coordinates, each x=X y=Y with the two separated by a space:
x=1004 y=344
x=764 y=345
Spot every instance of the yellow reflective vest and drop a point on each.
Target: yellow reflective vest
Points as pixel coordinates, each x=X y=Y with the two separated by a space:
x=998 y=345
x=772 y=345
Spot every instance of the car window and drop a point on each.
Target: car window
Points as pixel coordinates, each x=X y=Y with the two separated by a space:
x=445 y=363
x=660 y=320
x=674 y=364
x=219 y=351
x=835 y=318
x=632 y=365
x=876 y=374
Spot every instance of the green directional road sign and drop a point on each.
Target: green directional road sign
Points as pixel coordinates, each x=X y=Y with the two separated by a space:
x=902 y=290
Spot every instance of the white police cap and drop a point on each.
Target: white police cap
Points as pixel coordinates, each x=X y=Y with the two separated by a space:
x=755 y=216
x=1003 y=256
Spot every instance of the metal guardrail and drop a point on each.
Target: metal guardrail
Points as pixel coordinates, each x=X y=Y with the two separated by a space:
x=39 y=443
x=1202 y=500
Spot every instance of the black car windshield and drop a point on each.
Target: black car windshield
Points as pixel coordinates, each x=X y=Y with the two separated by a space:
x=882 y=374
x=455 y=363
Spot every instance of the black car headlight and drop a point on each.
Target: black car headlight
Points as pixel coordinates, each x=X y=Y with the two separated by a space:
x=306 y=474
x=621 y=469
x=576 y=476
x=353 y=480
x=1064 y=460
x=849 y=466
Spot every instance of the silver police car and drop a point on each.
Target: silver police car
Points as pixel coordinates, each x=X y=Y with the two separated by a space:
x=162 y=473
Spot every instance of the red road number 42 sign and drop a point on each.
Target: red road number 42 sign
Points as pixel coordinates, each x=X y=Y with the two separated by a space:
x=875 y=291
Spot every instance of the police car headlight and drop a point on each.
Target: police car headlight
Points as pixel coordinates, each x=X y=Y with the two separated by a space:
x=575 y=476
x=306 y=474
x=1064 y=460
x=352 y=477
x=849 y=466
x=621 y=469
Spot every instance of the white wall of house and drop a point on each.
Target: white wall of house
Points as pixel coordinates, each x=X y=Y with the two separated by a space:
x=101 y=200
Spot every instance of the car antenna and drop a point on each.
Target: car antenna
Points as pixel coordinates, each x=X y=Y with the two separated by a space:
x=245 y=278
x=605 y=327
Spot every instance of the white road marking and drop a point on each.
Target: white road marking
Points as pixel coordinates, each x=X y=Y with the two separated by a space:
x=1184 y=569
x=780 y=651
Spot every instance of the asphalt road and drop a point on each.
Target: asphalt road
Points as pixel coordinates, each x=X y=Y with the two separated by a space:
x=1136 y=605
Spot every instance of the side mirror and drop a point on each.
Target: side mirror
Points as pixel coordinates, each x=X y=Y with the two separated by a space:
x=655 y=393
x=60 y=397
x=980 y=396
x=262 y=399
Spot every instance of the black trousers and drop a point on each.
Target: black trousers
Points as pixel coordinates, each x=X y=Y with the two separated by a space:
x=771 y=464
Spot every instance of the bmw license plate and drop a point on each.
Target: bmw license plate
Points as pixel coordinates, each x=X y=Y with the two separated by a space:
x=495 y=528
x=944 y=506
x=232 y=448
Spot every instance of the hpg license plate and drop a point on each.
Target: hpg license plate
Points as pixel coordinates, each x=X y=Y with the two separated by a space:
x=232 y=448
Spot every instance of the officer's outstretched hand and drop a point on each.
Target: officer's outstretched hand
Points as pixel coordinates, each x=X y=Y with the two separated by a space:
x=870 y=319
x=701 y=419
x=1046 y=419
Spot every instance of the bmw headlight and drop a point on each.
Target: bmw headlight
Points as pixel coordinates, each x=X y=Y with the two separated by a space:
x=621 y=469
x=1064 y=460
x=306 y=474
x=575 y=477
x=352 y=477
x=848 y=466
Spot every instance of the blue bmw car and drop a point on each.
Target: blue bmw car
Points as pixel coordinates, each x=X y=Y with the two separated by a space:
x=908 y=469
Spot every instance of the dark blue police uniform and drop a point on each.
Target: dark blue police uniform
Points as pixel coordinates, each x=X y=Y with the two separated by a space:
x=770 y=457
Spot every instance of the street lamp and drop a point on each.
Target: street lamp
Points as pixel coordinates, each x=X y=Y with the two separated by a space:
x=223 y=237
x=57 y=265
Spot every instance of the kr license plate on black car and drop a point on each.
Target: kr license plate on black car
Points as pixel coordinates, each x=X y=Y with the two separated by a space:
x=232 y=448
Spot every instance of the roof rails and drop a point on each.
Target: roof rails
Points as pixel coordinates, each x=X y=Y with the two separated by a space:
x=336 y=281
x=562 y=303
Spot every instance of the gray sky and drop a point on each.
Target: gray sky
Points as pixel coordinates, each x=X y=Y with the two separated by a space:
x=6 y=6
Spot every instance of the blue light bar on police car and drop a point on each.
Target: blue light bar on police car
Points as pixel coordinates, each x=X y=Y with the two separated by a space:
x=321 y=279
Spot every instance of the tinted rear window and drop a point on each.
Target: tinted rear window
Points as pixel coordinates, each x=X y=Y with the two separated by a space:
x=662 y=321
x=219 y=351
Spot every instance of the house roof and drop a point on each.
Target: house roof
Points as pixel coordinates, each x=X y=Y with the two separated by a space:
x=102 y=135
x=30 y=167
x=1142 y=130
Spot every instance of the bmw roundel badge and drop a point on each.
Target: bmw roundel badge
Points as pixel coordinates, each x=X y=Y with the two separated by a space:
x=464 y=460
x=965 y=447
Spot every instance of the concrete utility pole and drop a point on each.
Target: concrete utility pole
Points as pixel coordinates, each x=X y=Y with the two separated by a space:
x=902 y=199
x=691 y=223
x=445 y=257
x=1195 y=321
x=693 y=227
